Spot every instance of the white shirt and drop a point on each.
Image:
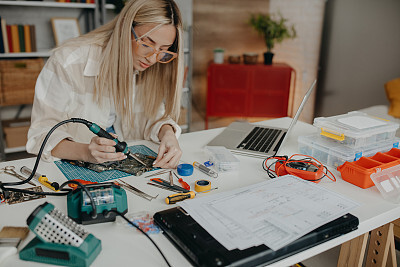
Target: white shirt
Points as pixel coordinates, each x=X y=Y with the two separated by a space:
x=64 y=90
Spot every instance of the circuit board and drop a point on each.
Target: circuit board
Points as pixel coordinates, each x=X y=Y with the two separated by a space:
x=18 y=197
x=109 y=170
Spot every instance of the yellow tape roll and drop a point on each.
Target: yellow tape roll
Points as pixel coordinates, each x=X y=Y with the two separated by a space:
x=202 y=185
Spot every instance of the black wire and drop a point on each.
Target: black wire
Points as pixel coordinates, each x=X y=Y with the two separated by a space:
x=137 y=227
x=75 y=120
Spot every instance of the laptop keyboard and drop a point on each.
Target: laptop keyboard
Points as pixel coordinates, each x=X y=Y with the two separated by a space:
x=260 y=139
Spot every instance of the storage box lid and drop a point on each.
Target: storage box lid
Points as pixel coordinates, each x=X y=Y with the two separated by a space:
x=344 y=152
x=355 y=124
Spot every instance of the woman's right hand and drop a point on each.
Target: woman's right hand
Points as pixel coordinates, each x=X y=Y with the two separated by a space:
x=102 y=150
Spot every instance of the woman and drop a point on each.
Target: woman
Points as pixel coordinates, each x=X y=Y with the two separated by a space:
x=125 y=76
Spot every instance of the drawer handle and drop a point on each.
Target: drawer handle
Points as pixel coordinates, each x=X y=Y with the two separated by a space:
x=339 y=137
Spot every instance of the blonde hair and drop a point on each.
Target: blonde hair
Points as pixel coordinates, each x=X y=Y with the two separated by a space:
x=157 y=84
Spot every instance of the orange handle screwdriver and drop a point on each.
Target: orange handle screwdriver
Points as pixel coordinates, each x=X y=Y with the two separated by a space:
x=182 y=182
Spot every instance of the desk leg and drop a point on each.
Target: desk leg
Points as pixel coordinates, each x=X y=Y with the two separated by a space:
x=396 y=228
x=381 y=250
x=352 y=252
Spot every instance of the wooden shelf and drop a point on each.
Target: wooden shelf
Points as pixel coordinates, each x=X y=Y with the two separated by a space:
x=47 y=4
x=45 y=53
x=15 y=149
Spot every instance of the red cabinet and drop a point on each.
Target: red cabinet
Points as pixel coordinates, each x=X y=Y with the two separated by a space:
x=238 y=90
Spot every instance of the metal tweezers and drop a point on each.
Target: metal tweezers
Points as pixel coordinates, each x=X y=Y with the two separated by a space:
x=136 y=191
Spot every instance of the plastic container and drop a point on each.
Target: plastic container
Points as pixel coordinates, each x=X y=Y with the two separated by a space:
x=356 y=129
x=388 y=183
x=335 y=154
x=222 y=158
x=359 y=172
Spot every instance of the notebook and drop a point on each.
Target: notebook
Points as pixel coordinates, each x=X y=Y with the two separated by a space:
x=256 y=140
x=201 y=249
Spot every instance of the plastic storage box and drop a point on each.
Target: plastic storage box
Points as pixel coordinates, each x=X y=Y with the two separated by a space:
x=359 y=172
x=388 y=183
x=356 y=129
x=222 y=158
x=335 y=154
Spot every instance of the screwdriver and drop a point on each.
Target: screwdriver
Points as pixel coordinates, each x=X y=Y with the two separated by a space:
x=172 y=199
x=182 y=182
x=41 y=178
x=119 y=146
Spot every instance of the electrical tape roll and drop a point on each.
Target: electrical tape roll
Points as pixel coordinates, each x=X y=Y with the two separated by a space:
x=185 y=169
x=202 y=185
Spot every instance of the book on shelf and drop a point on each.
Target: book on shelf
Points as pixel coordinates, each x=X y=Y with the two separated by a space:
x=9 y=38
x=32 y=32
x=27 y=39
x=4 y=35
x=2 y=41
x=15 y=38
x=21 y=38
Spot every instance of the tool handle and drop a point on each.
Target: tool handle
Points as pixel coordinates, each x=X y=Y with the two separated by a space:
x=119 y=146
x=172 y=199
x=74 y=186
x=44 y=181
x=184 y=184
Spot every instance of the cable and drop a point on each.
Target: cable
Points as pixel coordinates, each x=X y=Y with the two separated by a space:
x=137 y=227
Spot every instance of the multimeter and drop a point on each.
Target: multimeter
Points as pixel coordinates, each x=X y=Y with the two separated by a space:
x=304 y=169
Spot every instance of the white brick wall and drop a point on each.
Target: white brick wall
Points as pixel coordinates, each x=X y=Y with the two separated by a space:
x=303 y=52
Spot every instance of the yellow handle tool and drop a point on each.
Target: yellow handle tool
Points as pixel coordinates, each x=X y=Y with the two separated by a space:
x=41 y=178
x=172 y=199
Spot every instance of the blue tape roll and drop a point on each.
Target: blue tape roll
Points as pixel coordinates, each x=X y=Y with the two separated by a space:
x=185 y=169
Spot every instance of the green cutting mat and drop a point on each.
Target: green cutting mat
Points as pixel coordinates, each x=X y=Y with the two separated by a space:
x=75 y=172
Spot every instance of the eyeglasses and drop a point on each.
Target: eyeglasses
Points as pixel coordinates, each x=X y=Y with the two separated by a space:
x=148 y=50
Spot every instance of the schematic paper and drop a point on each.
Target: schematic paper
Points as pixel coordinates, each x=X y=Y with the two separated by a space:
x=274 y=212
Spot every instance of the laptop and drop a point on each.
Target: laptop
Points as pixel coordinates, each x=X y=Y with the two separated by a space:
x=255 y=140
x=201 y=249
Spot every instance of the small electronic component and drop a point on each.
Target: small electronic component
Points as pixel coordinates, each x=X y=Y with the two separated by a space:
x=130 y=166
x=18 y=197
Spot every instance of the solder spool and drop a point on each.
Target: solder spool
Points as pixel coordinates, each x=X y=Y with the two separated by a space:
x=202 y=185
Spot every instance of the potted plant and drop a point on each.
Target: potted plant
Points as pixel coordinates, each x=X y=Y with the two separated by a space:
x=273 y=29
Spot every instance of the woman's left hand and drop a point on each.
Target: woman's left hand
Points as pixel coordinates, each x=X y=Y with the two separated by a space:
x=169 y=152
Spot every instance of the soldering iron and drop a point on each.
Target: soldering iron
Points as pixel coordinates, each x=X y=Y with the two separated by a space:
x=119 y=146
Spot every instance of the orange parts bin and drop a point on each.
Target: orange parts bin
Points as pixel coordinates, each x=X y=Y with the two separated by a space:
x=359 y=172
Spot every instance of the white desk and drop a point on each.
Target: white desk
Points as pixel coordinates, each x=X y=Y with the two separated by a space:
x=125 y=246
